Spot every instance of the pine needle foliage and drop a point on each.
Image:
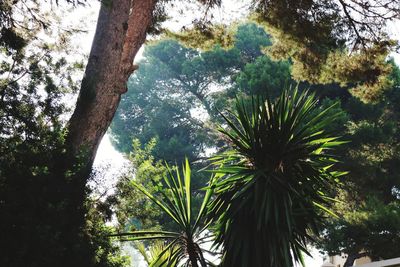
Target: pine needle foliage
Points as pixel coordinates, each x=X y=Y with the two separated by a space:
x=274 y=180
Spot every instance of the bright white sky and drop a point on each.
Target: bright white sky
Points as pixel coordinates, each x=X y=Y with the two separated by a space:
x=107 y=157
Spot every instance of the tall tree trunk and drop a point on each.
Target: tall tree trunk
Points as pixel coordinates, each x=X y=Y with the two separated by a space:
x=352 y=257
x=192 y=255
x=121 y=31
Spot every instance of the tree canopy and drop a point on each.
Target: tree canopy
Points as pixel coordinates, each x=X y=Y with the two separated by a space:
x=368 y=206
x=371 y=129
x=46 y=160
x=177 y=92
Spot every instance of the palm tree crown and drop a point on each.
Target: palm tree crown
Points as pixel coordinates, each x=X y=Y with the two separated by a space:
x=175 y=199
x=274 y=180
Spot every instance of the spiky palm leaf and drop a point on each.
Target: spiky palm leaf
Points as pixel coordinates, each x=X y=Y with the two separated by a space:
x=272 y=191
x=151 y=256
x=175 y=199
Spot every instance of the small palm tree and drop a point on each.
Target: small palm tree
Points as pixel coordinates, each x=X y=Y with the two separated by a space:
x=273 y=185
x=175 y=199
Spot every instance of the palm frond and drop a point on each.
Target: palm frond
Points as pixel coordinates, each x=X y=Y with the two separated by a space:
x=174 y=197
x=273 y=182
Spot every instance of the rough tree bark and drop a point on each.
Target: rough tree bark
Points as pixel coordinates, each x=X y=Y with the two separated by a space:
x=352 y=257
x=121 y=31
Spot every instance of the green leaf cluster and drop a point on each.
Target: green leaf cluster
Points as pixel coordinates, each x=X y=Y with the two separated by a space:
x=174 y=83
x=175 y=200
x=274 y=180
x=47 y=219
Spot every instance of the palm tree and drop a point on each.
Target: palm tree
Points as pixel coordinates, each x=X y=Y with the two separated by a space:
x=175 y=199
x=272 y=190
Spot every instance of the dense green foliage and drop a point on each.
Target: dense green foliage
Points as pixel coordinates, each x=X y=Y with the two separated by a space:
x=46 y=216
x=36 y=197
x=274 y=181
x=327 y=41
x=156 y=107
x=173 y=81
x=332 y=41
x=371 y=156
x=368 y=228
x=368 y=219
x=174 y=198
x=157 y=112
x=132 y=208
